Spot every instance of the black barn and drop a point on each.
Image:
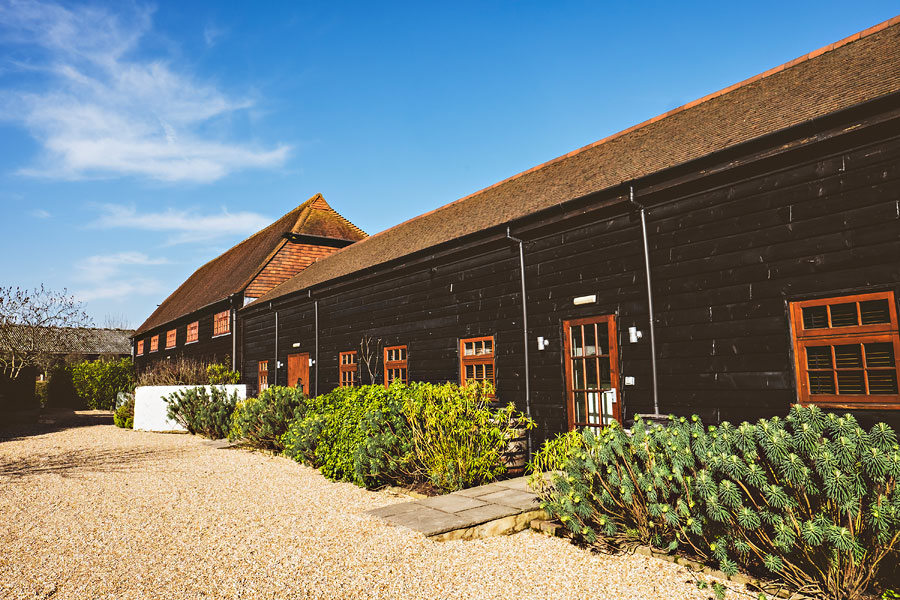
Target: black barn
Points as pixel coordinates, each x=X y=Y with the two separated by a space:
x=770 y=212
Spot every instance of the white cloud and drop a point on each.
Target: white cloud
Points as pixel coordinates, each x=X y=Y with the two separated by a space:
x=40 y=213
x=111 y=276
x=212 y=34
x=184 y=225
x=103 y=111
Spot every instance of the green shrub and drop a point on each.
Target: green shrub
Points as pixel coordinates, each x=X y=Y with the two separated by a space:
x=262 y=421
x=99 y=382
x=459 y=439
x=445 y=434
x=124 y=415
x=219 y=374
x=811 y=499
x=552 y=456
x=201 y=411
x=385 y=455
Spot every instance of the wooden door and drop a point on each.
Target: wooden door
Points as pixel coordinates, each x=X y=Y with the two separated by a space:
x=298 y=370
x=592 y=371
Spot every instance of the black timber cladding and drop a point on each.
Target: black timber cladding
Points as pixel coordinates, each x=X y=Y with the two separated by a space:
x=733 y=239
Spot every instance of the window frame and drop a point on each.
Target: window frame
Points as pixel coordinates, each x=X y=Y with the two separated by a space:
x=171 y=335
x=154 y=343
x=262 y=376
x=478 y=359
x=347 y=371
x=844 y=335
x=396 y=364
x=139 y=349
x=221 y=317
x=193 y=327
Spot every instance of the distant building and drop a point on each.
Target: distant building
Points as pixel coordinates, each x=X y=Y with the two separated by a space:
x=199 y=319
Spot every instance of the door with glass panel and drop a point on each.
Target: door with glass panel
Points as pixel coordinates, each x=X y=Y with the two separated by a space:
x=592 y=371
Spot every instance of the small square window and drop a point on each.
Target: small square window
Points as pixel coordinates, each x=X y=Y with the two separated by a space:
x=347 y=362
x=476 y=360
x=395 y=365
x=193 y=330
x=221 y=323
x=154 y=343
x=263 y=373
x=170 y=338
x=140 y=347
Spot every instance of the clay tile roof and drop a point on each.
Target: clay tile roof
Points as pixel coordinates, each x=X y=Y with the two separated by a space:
x=232 y=271
x=74 y=340
x=862 y=67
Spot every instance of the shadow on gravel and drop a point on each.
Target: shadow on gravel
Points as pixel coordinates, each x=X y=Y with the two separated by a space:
x=77 y=462
x=54 y=420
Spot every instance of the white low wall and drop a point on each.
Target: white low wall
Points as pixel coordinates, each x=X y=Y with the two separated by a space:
x=150 y=405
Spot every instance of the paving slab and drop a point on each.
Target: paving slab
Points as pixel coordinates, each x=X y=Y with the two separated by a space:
x=494 y=509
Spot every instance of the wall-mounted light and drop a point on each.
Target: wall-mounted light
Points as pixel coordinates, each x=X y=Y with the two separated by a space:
x=295 y=345
x=312 y=362
x=585 y=300
x=634 y=334
x=279 y=364
x=543 y=343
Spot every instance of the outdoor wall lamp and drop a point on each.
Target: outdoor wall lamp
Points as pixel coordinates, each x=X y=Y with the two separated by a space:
x=634 y=334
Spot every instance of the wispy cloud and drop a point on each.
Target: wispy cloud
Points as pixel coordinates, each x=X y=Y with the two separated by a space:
x=111 y=276
x=40 y=213
x=212 y=34
x=100 y=109
x=184 y=225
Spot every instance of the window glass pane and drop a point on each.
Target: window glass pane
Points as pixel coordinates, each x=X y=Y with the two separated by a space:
x=579 y=407
x=873 y=312
x=577 y=349
x=821 y=382
x=488 y=346
x=605 y=378
x=844 y=315
x=578 y=374
x=815 y=317
x=590 y=340
x=848 y=356
x=880 y=355
x=818 y=357
x=591 y=367
x=469 y=348
x=489 y=371
x=882 y=382
x=851 y=382
x=593 y=405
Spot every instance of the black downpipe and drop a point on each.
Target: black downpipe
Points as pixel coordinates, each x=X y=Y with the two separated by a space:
x=649 y=297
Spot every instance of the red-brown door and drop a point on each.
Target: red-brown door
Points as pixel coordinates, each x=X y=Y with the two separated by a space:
x=592 y=371
x=298 y=371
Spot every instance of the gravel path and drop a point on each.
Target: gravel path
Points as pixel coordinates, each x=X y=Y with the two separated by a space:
x=93 y=511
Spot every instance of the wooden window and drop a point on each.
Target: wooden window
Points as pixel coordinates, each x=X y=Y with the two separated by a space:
x=476 y=360
x=221 y=323
x=154 y=343
x=395 y=365
x=170 y=338
x=193 y=332
x=263 y=375
x=847 y=351
x=140 y=347
x=348 y=368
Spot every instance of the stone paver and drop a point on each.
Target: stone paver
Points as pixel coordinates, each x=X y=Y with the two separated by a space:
x=509 y=503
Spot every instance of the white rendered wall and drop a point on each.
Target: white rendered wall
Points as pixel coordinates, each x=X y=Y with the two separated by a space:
x=150 y=405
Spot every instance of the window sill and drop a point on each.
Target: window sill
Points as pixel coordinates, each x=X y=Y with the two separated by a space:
x=220 y=335
x=189 y=343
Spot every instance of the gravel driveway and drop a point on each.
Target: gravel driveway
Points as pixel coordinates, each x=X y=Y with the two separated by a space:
x=92 y=511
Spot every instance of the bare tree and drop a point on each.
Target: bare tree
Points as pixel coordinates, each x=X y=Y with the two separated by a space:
x=116 y=321
x=32 y=326
x=369 y=355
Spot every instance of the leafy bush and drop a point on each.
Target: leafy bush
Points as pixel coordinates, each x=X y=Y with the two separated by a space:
x=219 y=374
x=264 y=420
x=124 y=415
x=811 y=499
x=201 y=411
x=444 y=434
x=187 y=371
x=552 y=456
x=458 y=438
x=99 y=382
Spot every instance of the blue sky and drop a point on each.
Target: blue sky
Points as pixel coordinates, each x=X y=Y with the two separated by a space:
x=141 y=140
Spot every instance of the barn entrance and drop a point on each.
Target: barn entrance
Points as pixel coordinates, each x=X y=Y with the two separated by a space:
x=592 y=371
x=298 y=370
